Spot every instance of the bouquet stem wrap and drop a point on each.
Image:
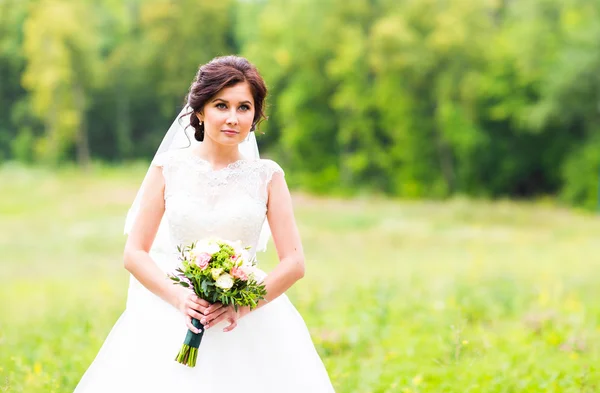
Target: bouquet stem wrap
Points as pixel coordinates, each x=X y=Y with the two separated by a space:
x=189 y=350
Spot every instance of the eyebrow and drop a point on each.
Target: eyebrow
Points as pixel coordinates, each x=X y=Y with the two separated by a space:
x=220 y=99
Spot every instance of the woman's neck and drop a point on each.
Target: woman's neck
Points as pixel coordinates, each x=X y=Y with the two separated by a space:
x=216 y=154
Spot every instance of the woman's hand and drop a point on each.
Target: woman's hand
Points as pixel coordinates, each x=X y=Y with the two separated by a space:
x=224 y=313
x=192 y=306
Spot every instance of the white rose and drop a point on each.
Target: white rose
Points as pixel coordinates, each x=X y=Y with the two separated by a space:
x=225 y=281
x=246 y=260
x=237 y=246
x=210 y=247
x=213 y=248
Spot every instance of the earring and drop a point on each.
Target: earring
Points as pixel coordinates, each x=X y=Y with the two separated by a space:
x=200 y=123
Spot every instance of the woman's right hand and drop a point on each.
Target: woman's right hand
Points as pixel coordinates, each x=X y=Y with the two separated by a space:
x=192 y=306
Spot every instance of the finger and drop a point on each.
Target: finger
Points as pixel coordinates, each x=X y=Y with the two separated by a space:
x=196 y=306
x=212 y=308
x=201 y=302
x=231 y=326
x=215 y=314
x=194 y=314
x=188 y=322
x=218 y=319
x=212 y=313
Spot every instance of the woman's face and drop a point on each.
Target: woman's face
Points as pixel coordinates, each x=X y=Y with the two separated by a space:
x=228 y=116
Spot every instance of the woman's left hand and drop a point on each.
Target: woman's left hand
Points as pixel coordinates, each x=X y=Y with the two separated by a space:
x=226 y=313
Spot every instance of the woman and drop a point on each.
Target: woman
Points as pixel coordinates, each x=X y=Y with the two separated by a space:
x=211 y=189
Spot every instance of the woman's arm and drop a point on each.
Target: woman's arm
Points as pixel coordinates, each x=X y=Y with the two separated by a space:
x=137 y=259
x=290 y=268
x=136 y=256
x=286 y=237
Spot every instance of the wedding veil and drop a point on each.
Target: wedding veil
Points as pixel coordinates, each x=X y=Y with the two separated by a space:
x=177 y=137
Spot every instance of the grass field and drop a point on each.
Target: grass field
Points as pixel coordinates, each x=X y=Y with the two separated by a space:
x=459 y=296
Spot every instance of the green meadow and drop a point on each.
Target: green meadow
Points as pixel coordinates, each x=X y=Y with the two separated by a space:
x=399 y=296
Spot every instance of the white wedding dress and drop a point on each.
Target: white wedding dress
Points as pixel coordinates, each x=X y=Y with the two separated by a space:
x=270 y=351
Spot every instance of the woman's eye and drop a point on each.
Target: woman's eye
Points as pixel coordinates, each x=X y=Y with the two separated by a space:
x=220 y=105
x=245 y=107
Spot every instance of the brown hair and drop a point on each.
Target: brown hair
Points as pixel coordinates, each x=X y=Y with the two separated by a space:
x=219 y=73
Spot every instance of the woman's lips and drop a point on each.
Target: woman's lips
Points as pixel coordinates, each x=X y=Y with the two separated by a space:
x=230 y=132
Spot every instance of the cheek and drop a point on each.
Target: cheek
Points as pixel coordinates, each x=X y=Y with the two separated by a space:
x=249 y=117
x=215 y=118
x=215 y=114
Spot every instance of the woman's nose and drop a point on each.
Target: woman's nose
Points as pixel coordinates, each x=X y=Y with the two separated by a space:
x=232 y=119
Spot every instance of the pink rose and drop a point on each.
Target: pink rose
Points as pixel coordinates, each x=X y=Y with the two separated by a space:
x=239 y=272
x=202 y=260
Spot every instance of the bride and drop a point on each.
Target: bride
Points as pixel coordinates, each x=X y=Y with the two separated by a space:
x=215 y=188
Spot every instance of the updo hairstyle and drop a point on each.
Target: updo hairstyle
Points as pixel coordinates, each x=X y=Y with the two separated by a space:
x=219 y=73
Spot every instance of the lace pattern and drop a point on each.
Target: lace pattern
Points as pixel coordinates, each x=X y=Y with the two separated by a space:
x=230 y=203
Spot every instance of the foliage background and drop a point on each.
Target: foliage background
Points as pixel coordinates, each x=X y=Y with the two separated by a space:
x=410 y=98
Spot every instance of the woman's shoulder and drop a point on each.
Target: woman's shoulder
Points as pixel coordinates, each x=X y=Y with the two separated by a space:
x=269 y=167
x=271 y=164
x=164 y=158
x=266 y=166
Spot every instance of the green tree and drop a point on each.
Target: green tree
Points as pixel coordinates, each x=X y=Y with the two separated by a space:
x=569 y=101
x=61 y=49
x=152 y=51
x=291 y=47
x=16 y=126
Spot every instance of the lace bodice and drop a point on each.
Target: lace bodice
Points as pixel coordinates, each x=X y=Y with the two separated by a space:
x=230 y=203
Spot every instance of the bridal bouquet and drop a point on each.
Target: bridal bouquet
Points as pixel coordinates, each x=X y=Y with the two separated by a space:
x=217 y=271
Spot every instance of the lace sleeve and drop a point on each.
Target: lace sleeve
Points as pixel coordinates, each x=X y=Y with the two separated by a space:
x=272 y=168
x=161 y=159
x=269 y=169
